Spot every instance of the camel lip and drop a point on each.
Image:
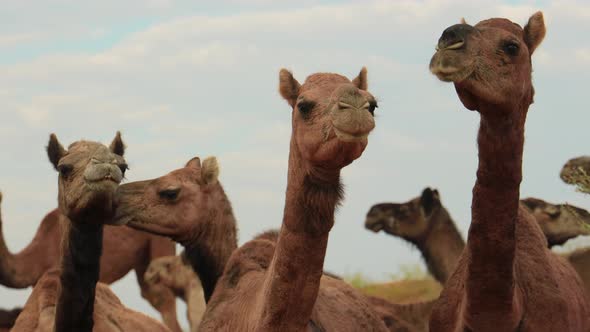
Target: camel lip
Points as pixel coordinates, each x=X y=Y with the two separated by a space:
x=451 y=73
x=374 y=225
x=455 y=46
x=349 y=137
x=107 y=178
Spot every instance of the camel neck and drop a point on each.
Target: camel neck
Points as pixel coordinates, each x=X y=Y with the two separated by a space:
x=442 y=246
x=293 y=278
x=210 y=248
x=23 y=269
x=80 y=270
x=494 y=208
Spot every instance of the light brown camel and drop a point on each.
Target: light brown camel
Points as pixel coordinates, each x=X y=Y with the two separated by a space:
x=125 y=249
x=267 y=286
x=175 y=273
x=576 y=171
x=506 y=279
x=64 y=299
x=426 y=223
x=559 y=222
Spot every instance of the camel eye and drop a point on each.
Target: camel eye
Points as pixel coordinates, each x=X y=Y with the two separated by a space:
x=511 y=48
x=372 y=106
x=169 y=194
x=65 y=170
x=305 y=107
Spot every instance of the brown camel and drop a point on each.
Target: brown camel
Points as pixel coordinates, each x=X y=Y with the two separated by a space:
x=506 y=279
x=176 y=274
x=125 y=249
x=426 y=223
x=580 y=260
x=210 y=227
x=397 y=318
x=576 y=171
x=267 y=286
x=64 y=299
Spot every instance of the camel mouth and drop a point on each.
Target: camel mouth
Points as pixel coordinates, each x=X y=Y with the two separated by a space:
x=451 y=64
x=374 y=225
x=106 y=180
x=451 y=73
x=147 y=227
x=346 y=136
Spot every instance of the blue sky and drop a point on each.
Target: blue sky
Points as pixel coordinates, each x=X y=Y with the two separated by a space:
x=181 y=79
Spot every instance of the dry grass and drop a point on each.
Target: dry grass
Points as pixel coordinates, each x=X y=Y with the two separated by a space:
x=580 y=179
x=412 y=284
x=405 y=291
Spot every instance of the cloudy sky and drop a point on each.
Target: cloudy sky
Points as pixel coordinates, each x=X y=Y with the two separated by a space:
x=187 y=78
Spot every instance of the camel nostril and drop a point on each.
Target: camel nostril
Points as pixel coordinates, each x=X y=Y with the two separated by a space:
x=453 y=38
x=352 y=106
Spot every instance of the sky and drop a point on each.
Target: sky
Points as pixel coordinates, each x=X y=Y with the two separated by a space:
x=200 y=78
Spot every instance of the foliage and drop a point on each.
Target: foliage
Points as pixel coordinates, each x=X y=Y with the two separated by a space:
x=580 y=178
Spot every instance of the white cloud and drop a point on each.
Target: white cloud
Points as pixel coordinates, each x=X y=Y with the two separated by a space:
x=11 y=40
x=197 y=84
x=583 y=55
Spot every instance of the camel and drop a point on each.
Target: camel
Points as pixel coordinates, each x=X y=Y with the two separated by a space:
x=64 y=299
x=211 y=227
x=176 y=274
x=576 y=171
x=506 y=278
x=580 y=260
x=559 y=222
x=125 y=249
x=425 y=222
x=263 y=285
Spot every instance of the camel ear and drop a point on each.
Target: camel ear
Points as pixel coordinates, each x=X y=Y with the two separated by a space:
x=194 y=163
x=210 y=171
x=463 y=21
x=361 y=80
x=429 y=200
x=534 y=31
x=288 y=86
x=117 y=146
x=55 y=150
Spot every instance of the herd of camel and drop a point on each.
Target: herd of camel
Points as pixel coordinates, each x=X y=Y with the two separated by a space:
x=503 y=278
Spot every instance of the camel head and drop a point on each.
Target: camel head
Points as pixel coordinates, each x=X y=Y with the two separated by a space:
x=576 y=171
x=171 y=271
x=180 y=204
x=410 y=220
x=89 y=174
x=490 y=62
x=559 y=222
x=332 y=117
